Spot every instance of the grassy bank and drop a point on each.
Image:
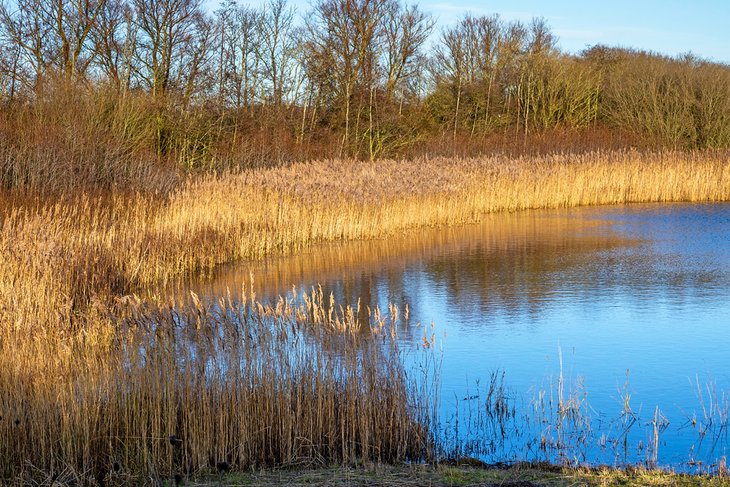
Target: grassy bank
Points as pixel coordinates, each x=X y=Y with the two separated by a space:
x=92 y=379
x=463 y=476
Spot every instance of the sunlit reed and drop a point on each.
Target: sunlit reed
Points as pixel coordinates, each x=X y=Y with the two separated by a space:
x=87 y=382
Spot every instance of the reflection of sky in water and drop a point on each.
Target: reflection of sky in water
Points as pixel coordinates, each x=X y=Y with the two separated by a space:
x=641 y=288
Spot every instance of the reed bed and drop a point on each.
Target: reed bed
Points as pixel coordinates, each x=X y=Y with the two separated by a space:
x=87 y=381
x=280 y=211
x=179 y=388
x=58 y=255
x=127 y=241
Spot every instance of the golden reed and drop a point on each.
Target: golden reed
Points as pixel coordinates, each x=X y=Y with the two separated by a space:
x=92 y=385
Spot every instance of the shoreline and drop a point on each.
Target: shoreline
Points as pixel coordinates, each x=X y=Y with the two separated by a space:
x=519 y=475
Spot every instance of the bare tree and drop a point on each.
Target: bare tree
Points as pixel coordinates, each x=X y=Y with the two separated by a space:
x=455 y=64
x=344 y=38
x=237 y=38
x=540 y=45
x=9 y=68
x=73 y=21
x=114 y=39
x=52 y=34
x=190 y=70
x=26 y=25
x=406 y=30
x=483 y=63
x=169 y=36
x=276 y=47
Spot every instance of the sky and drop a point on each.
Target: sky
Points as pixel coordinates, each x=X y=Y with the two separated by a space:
x=669 y=27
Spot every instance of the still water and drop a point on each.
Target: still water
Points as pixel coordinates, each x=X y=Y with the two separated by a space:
x=629 y=304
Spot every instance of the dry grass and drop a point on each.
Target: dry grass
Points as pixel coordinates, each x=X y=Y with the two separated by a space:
x=283 y=210
x=176 y=388
x=90 y=381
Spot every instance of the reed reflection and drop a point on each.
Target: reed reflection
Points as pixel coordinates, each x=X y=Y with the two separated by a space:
x=510 y=264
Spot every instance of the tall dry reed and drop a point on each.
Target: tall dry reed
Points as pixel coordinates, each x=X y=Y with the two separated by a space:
x=283 y=210
x=176 y=388
x=88 y=386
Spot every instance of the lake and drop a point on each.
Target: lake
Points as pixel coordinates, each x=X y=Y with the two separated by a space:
x=623 y=312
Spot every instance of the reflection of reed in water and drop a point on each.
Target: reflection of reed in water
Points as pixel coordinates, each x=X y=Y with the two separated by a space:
x=556 y=423
x=513 y=264
x=498 y=254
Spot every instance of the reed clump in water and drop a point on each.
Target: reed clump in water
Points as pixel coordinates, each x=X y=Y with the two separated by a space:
x=178 y=388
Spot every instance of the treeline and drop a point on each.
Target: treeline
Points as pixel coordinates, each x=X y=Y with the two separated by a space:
x=136 y=81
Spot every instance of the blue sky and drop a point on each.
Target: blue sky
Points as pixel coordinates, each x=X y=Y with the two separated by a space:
x=669 y=26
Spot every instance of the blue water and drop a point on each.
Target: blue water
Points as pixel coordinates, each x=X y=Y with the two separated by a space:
x=635 y=300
